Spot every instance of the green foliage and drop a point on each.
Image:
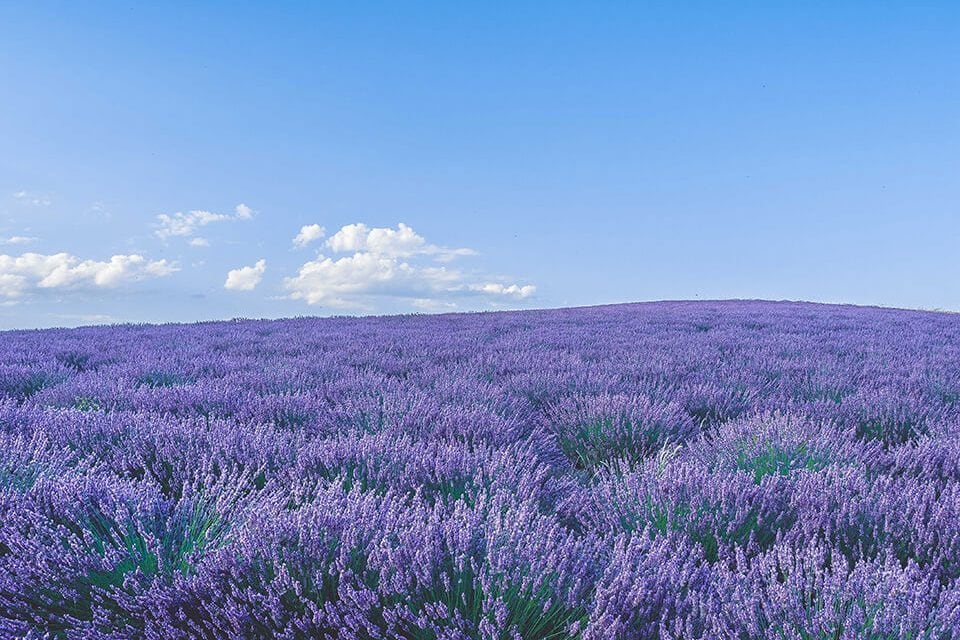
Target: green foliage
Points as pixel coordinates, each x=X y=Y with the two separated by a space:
x=31 y=384
x=608 y=441
x=824 y=392
x=76 y=360
x=891 y=430
x=86 y=403
x=775 y=460
x=532 y=610
x=384 y=476
x=293 y=419
x=161 y=379
x=712 y=524
x=20 y=477
x=116 y=552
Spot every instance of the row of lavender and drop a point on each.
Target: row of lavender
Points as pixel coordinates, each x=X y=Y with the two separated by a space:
x=669 y=470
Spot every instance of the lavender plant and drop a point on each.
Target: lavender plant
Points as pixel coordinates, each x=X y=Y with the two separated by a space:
x=670 y=470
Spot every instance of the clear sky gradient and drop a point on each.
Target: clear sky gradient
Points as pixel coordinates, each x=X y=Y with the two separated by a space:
x=537 y=154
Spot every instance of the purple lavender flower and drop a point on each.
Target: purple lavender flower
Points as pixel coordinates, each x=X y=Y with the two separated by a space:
x=671 y=470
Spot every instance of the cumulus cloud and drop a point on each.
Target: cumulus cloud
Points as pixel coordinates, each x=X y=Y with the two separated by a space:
x=308 y=233
x=401 y=242
x=396 y=263
x=18 y=240
x=199 y=242
x=245 y=278
x=340 y=282
x=185 y=225
x=35 y=271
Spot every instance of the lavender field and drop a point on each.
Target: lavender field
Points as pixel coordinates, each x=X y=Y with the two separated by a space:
x=668 y=470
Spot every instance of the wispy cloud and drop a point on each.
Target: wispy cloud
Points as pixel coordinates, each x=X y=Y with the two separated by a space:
x=32 y=199
x=499 y=289
x=99 y=209
x=185 y=225
x=18 y=240
x=392 y=262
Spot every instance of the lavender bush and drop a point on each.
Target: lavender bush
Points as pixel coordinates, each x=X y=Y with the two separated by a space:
x=732 y=470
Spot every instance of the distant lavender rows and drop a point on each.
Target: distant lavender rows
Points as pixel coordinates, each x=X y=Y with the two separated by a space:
x=671 y=470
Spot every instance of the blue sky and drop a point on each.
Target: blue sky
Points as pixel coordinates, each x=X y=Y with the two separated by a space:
x=535 y=154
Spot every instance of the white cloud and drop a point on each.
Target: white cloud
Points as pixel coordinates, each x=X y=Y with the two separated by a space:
x=12 y=285
x=341 y=282
x=32 y=271
x=395 y=263
x=512 y=290
x=245 y=278
x=18 y=240
x=160 y=268
x=199 y=242
x=33 y=199
x=183 y=225
x=401 y=242
x=308 y=233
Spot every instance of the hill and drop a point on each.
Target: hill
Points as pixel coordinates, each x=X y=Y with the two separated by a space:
x=728 y=469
